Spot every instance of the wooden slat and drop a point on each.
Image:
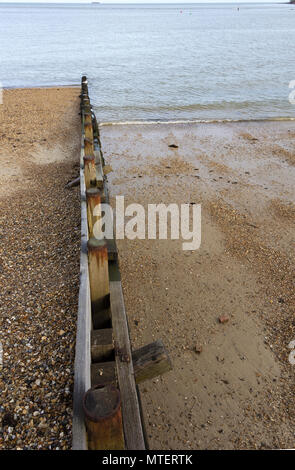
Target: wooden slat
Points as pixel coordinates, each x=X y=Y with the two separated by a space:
x=133 y=432
x=82 y=380
x=102 y=345
x=101 y=318
x=112 y=249
x=103 y=373
x=99 y=176
x=99 y=169
x=150 y=361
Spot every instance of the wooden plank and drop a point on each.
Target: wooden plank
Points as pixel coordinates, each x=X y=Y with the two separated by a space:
x=150 y=361
x=101 y=317
x=93 y=200
x=102 y=344
x=99 y=169
x=98 y=272
x=112 y=249
x=103 y=373
x=89 y=171
x=133 y=432
x=99 y=176
x=103 y=415
x=88 y=131
x=82 y=380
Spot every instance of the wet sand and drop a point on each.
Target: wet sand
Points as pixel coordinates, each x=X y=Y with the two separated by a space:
x=238 y=392
x=39 y=265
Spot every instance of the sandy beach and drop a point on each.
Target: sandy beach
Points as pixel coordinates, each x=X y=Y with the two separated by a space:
x=39 y=265
x=232 y=386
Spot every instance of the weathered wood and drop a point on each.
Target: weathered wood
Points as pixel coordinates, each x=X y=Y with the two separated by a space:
x=88 y=147
x=103 y=417
x=84 y=85
x=93 y=210
x=88 y=131
x=99 y=177
x=87 y=117
x=150 y=361
x=100 y=295
x=87 y=110
x=133 y=432
x=97 y=157
x=96 y=128
x=73 y=183
x=101 y=314
x=103 y=373
x=85 y=105
x=89 y=171
x=98 y=273
x=82 y=380
x=102 y=344
x=112 y=249
x=99 y=169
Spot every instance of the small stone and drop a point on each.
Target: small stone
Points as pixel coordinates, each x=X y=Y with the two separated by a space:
x=198 y=348
x=223 y=319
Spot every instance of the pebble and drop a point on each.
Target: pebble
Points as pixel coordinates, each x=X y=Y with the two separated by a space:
x=40 y=271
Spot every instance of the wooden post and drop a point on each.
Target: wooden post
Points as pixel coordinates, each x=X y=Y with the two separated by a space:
x=88 y=131
x=88 y=147
x=87 y=118
x=87 y=108
x=103 y=418
x=84 y=84
x=93 y=200
x=150 y=361
x=89 y=171
x=85 y=102
x=98 y=273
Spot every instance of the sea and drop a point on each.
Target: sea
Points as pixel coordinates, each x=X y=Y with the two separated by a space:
x=157 y=62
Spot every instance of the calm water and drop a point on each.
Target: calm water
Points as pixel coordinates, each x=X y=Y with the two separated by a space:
x=157 y=62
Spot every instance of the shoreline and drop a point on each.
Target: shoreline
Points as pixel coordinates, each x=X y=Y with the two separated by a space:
x=191 y=121
x=41 y=87
x=152 y=120
x=33 y=87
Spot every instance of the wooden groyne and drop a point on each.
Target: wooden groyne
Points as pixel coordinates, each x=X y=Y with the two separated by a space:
x=106 y=410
